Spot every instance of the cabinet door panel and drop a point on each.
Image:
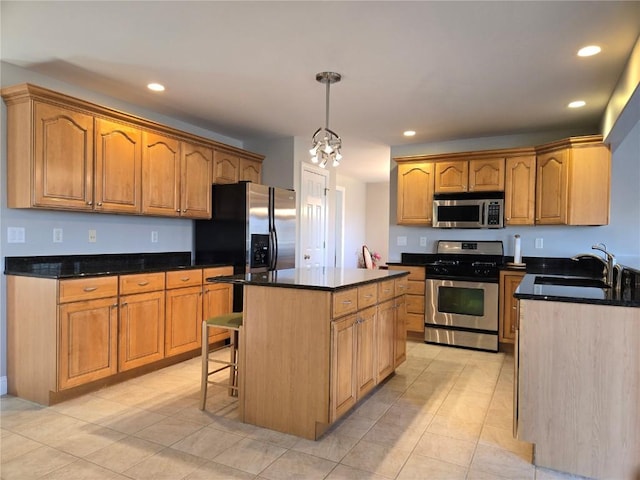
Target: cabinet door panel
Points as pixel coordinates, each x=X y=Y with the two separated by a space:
x=63 y=150
x=520 y=190
x=88 y=341
x=118 y=167
x=343 y=372
x=415 y=194
x=451 y=176
x=400 y=331
x=141 y=330
x=226 y=168
x=183 y=329
x=551 y=188
x=486 y=175
x=250 y=170
x=218 y=300
x=385 y=339
x=160 y=175
x=366 y=345
x=195 y=188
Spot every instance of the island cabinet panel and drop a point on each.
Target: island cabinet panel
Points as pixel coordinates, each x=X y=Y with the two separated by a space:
x=309 y=355
x=286 y=359
x=141 y=321
x=183 y=329
x=520 y=190
x=118 y=184
x=415 y=193
x=344 y=366
x=400 y=330
x=385 y=336
x=578 y=394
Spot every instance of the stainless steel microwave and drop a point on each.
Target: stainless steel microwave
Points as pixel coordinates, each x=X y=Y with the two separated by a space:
x=468 y=210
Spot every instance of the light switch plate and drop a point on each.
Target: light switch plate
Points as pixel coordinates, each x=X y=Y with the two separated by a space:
x=539 y=243
x=423 y=241
x=154 y=237
x=401 y=241
x=57 y=235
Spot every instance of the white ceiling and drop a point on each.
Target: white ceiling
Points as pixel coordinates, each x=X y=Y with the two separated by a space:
x=247 y=69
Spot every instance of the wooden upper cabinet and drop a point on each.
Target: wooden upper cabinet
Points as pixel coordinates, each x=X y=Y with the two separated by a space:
x=250 y=170
x=520 y=190
x=67 y=154
x=62 y=168
x=226 y=167
x=573 y=182
x=160 y=175
x=451 y=177
x=195 y=187
x=415 y=193
x=477 y=175
x=118 y=167
x=486 y=175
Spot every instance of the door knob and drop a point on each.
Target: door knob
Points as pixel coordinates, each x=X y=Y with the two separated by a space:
x=307 y=257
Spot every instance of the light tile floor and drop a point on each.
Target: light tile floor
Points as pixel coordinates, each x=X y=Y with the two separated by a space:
x=445 y=414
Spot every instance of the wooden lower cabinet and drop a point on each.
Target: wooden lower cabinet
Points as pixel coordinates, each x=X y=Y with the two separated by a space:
x=141 y=329
x=385 y=336
x=509 y=312
x=184 y=320
x=414 y=315
x=217 y=300
x=365 y=351
x=400 y=331
x=88 y=341
x=344 y=367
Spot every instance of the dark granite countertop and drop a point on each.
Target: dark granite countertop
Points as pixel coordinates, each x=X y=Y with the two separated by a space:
x=541 y=287
x=79 y=266
x=317 y=278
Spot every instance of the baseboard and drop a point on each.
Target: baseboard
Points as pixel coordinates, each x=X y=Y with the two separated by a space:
x=3 y=385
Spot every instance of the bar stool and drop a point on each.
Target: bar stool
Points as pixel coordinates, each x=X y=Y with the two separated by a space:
x=231 y=322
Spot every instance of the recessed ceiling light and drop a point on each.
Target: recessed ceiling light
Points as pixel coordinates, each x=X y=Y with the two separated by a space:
x=409 y=133
x=577 y=104
x=589 y=50
x=156 y=87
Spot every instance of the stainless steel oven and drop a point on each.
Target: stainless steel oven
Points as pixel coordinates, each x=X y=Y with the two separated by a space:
x=461 y=295
x=462 y=313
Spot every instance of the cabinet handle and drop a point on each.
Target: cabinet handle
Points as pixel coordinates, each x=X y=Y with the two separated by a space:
x=115 y=305
x=89 y=203
x=184 y=210
x=513 y=328
x=508 y=218
x=346 y=302
x=402 y=287
x=515 y=307
x=123 y=304
x=178 y=210
x=90 y=289
x=369 y=296
x=99 y=204
x=143 y=283
x=386 y=290
x=185 y=279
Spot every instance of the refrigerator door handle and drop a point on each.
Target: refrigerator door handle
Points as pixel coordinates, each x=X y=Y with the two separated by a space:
x=275 y=251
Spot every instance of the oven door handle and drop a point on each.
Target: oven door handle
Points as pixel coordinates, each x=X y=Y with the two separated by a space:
x=483 y=220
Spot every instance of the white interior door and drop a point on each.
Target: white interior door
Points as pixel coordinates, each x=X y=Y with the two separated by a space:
x=313 y=231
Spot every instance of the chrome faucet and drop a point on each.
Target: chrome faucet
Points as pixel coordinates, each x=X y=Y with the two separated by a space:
x=608 y=263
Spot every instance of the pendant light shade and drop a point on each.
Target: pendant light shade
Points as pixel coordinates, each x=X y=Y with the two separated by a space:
x=325 y=143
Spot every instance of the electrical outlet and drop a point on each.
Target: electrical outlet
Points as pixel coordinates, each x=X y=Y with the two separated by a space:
x=57 y=235
x=154 y=237
x=93 y=238
x=423 y=241
x=15 y=235
x=401 y=241
x=539 y=243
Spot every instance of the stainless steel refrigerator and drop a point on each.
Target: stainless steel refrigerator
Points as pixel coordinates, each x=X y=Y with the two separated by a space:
x=253 y=228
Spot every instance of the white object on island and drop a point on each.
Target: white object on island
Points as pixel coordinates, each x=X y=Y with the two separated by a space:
x=517 y=255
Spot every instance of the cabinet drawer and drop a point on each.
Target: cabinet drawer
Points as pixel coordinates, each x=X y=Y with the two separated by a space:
x=216 y=272
x=415 y=322
x=415 y=273
x=87 y=288
x=142 y=282
x=415 y=304
x=345 y=302
x=415 y=287
x=400 y=285
x=184 y=278
x=367 y=295
x=385 y=290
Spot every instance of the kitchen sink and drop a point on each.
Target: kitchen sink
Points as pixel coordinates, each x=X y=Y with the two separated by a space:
x=570 y=281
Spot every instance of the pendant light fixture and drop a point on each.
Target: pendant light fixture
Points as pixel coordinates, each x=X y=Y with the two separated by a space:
x=325 y=143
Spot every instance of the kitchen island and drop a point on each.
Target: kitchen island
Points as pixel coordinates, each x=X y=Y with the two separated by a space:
x=577 y=381
x=315 y=341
